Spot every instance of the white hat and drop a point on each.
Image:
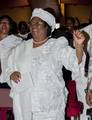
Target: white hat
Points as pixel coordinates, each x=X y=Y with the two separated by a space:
x=45 y=16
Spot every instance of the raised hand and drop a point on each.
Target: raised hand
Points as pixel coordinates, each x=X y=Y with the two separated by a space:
x=78 y=37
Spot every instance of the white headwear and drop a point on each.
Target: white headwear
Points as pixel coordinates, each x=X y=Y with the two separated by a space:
x=45 y=16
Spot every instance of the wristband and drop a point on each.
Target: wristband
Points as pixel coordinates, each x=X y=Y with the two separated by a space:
x=88 y=90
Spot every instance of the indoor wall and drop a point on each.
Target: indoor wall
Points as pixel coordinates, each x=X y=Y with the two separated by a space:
x=80 y=11
x=18 y=13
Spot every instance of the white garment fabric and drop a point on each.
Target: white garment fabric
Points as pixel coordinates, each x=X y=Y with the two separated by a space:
x=41 y=92
x=23 y=36
x=81 y=80
x=6 y=45
x=88 y=30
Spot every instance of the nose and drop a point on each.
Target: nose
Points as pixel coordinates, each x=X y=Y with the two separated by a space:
x=33 y=26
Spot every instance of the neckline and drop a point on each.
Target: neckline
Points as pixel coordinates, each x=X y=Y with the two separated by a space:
x=42 y=44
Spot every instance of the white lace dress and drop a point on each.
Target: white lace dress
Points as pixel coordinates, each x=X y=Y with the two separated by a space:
x=41 y=92
x=6 y=45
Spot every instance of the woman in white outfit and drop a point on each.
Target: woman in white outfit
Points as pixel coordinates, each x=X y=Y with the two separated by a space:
x=35 y=70
x=7 y=42
x=81 y=79
x=88 y=89
x=89 y=83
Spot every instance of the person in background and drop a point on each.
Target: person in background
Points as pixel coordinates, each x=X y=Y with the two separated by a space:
x=90 y=18
x=70 y=23
x=88 y=88
x=35 y=70
x=66 y=30
x=15 y=28
x=7 y=42
x=77 y=23
x=23 y=30
x=82 y=78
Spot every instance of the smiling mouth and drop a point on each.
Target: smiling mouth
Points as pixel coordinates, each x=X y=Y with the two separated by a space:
x=34 y=30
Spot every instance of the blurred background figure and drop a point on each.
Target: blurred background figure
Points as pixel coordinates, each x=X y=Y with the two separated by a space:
x=90 y=18
x=15 y=28
x=23 y=30
x=77 y=23
x=7 y=42
x=70 y=23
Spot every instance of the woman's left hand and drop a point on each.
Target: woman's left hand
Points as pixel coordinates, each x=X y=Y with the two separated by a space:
x=78 y=37
x=89 y=98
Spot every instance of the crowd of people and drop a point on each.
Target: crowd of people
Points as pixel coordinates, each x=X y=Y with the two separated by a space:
x=37 y=60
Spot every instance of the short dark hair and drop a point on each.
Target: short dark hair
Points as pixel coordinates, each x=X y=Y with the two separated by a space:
x=22 y=23
x=10 y=22
x=49 y=29
x=71 y=19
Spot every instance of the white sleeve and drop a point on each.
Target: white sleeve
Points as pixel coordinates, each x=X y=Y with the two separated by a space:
x=18 y=62
x=88 y=29
x=67 y=55
x=10 y=68
x=90 y=64
x=69 y=59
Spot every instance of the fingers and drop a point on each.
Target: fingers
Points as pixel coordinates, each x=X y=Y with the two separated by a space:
x=78 y=36
x=15 y=76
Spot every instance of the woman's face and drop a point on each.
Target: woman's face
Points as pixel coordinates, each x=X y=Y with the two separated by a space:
x=69 y=25
x=38 y=28
x=4 y=26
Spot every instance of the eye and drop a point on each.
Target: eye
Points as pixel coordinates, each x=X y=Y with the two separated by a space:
x=40 y=23
x=4 y=22
x=36 y=23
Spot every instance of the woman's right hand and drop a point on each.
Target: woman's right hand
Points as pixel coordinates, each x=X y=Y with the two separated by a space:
x=15 y=76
